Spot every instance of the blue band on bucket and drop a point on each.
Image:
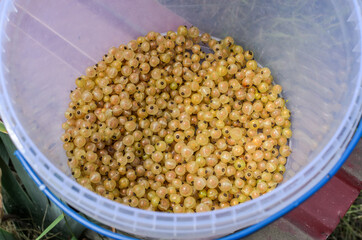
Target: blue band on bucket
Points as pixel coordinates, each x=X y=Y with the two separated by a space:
x=237 y=235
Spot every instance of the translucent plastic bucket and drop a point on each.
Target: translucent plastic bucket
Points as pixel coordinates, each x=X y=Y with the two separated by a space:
x=312 y=47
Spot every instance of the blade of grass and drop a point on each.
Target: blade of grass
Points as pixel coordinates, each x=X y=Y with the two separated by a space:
x=45 y=214
x=69 y=227
x=51 y=226
x=2 y=128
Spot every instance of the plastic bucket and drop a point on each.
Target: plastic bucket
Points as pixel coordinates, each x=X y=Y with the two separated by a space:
x=312 y=47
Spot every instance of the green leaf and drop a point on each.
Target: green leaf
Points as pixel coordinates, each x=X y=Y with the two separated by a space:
x=4 y=235
x=51 y=226
x=68 y=227
x=2 y=128
x=3 y=153
x=75 y=228
x=44 y=211
x=31 y=188
x=15 y=198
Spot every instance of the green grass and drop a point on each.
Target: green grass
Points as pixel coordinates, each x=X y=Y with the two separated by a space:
x=350 y=226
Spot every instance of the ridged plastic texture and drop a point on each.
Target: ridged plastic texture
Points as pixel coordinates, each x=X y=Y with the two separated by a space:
x=312 y=47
